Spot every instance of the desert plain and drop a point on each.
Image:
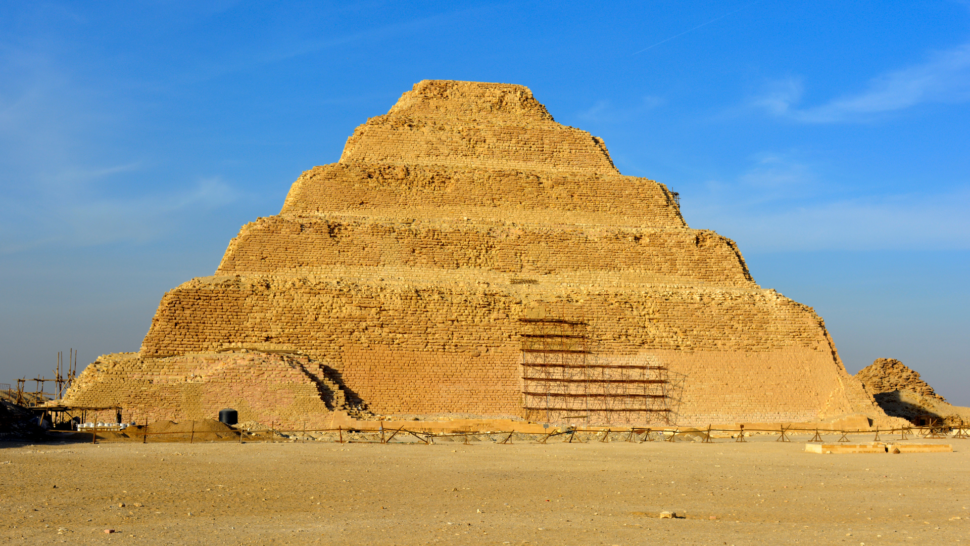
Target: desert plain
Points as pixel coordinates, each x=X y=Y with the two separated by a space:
x=757 y=492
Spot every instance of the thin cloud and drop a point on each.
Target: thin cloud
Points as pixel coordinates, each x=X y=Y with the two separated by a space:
x=98 y=221
x=604 y=111
x=911 y=222
x=77 y=175
x=772 y=178
x=50 y=127
x=781 y=204
x=778 y=172
x=944 y=78
x=716 y=19
x=271 y=53
x=899 y=222
x=208 y=193
x=146 y=218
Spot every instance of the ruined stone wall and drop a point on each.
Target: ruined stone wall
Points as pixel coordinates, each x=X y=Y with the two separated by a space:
x=283 y=243
x=456 y=192
x=889 y=374
x=269 y=388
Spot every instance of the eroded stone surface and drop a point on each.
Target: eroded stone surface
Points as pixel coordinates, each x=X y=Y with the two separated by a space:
x=403 y=271
x=889 y=374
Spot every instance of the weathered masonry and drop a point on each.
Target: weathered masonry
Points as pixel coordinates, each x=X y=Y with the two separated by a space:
x=426 y=272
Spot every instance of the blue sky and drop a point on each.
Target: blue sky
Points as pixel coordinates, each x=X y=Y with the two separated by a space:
x=828 y=138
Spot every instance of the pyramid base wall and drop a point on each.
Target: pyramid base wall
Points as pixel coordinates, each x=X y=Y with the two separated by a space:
x=782 y=386
x=732 y=355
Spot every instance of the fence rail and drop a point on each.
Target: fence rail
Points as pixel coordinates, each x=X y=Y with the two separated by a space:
x=577 y=435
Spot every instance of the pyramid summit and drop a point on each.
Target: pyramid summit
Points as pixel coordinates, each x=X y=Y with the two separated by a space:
x=468 y=255
x=475 y=125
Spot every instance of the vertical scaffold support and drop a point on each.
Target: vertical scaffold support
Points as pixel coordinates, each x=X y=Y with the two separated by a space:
x=564 y=381
x=783 y=437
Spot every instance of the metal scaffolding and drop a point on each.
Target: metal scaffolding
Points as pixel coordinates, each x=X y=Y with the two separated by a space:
x=564 y=381
x=554 y=370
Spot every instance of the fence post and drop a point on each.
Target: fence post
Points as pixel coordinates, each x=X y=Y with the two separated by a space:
x=783 y=437
x=391 y=437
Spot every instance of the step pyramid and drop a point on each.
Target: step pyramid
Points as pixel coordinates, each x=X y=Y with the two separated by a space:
x=468 y=255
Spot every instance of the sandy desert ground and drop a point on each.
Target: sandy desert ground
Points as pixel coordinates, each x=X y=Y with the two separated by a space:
x=758 y=492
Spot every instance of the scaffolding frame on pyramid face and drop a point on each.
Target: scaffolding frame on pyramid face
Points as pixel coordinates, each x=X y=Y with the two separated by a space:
x=64 y=376
x=564 y=381
x=554 y=371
